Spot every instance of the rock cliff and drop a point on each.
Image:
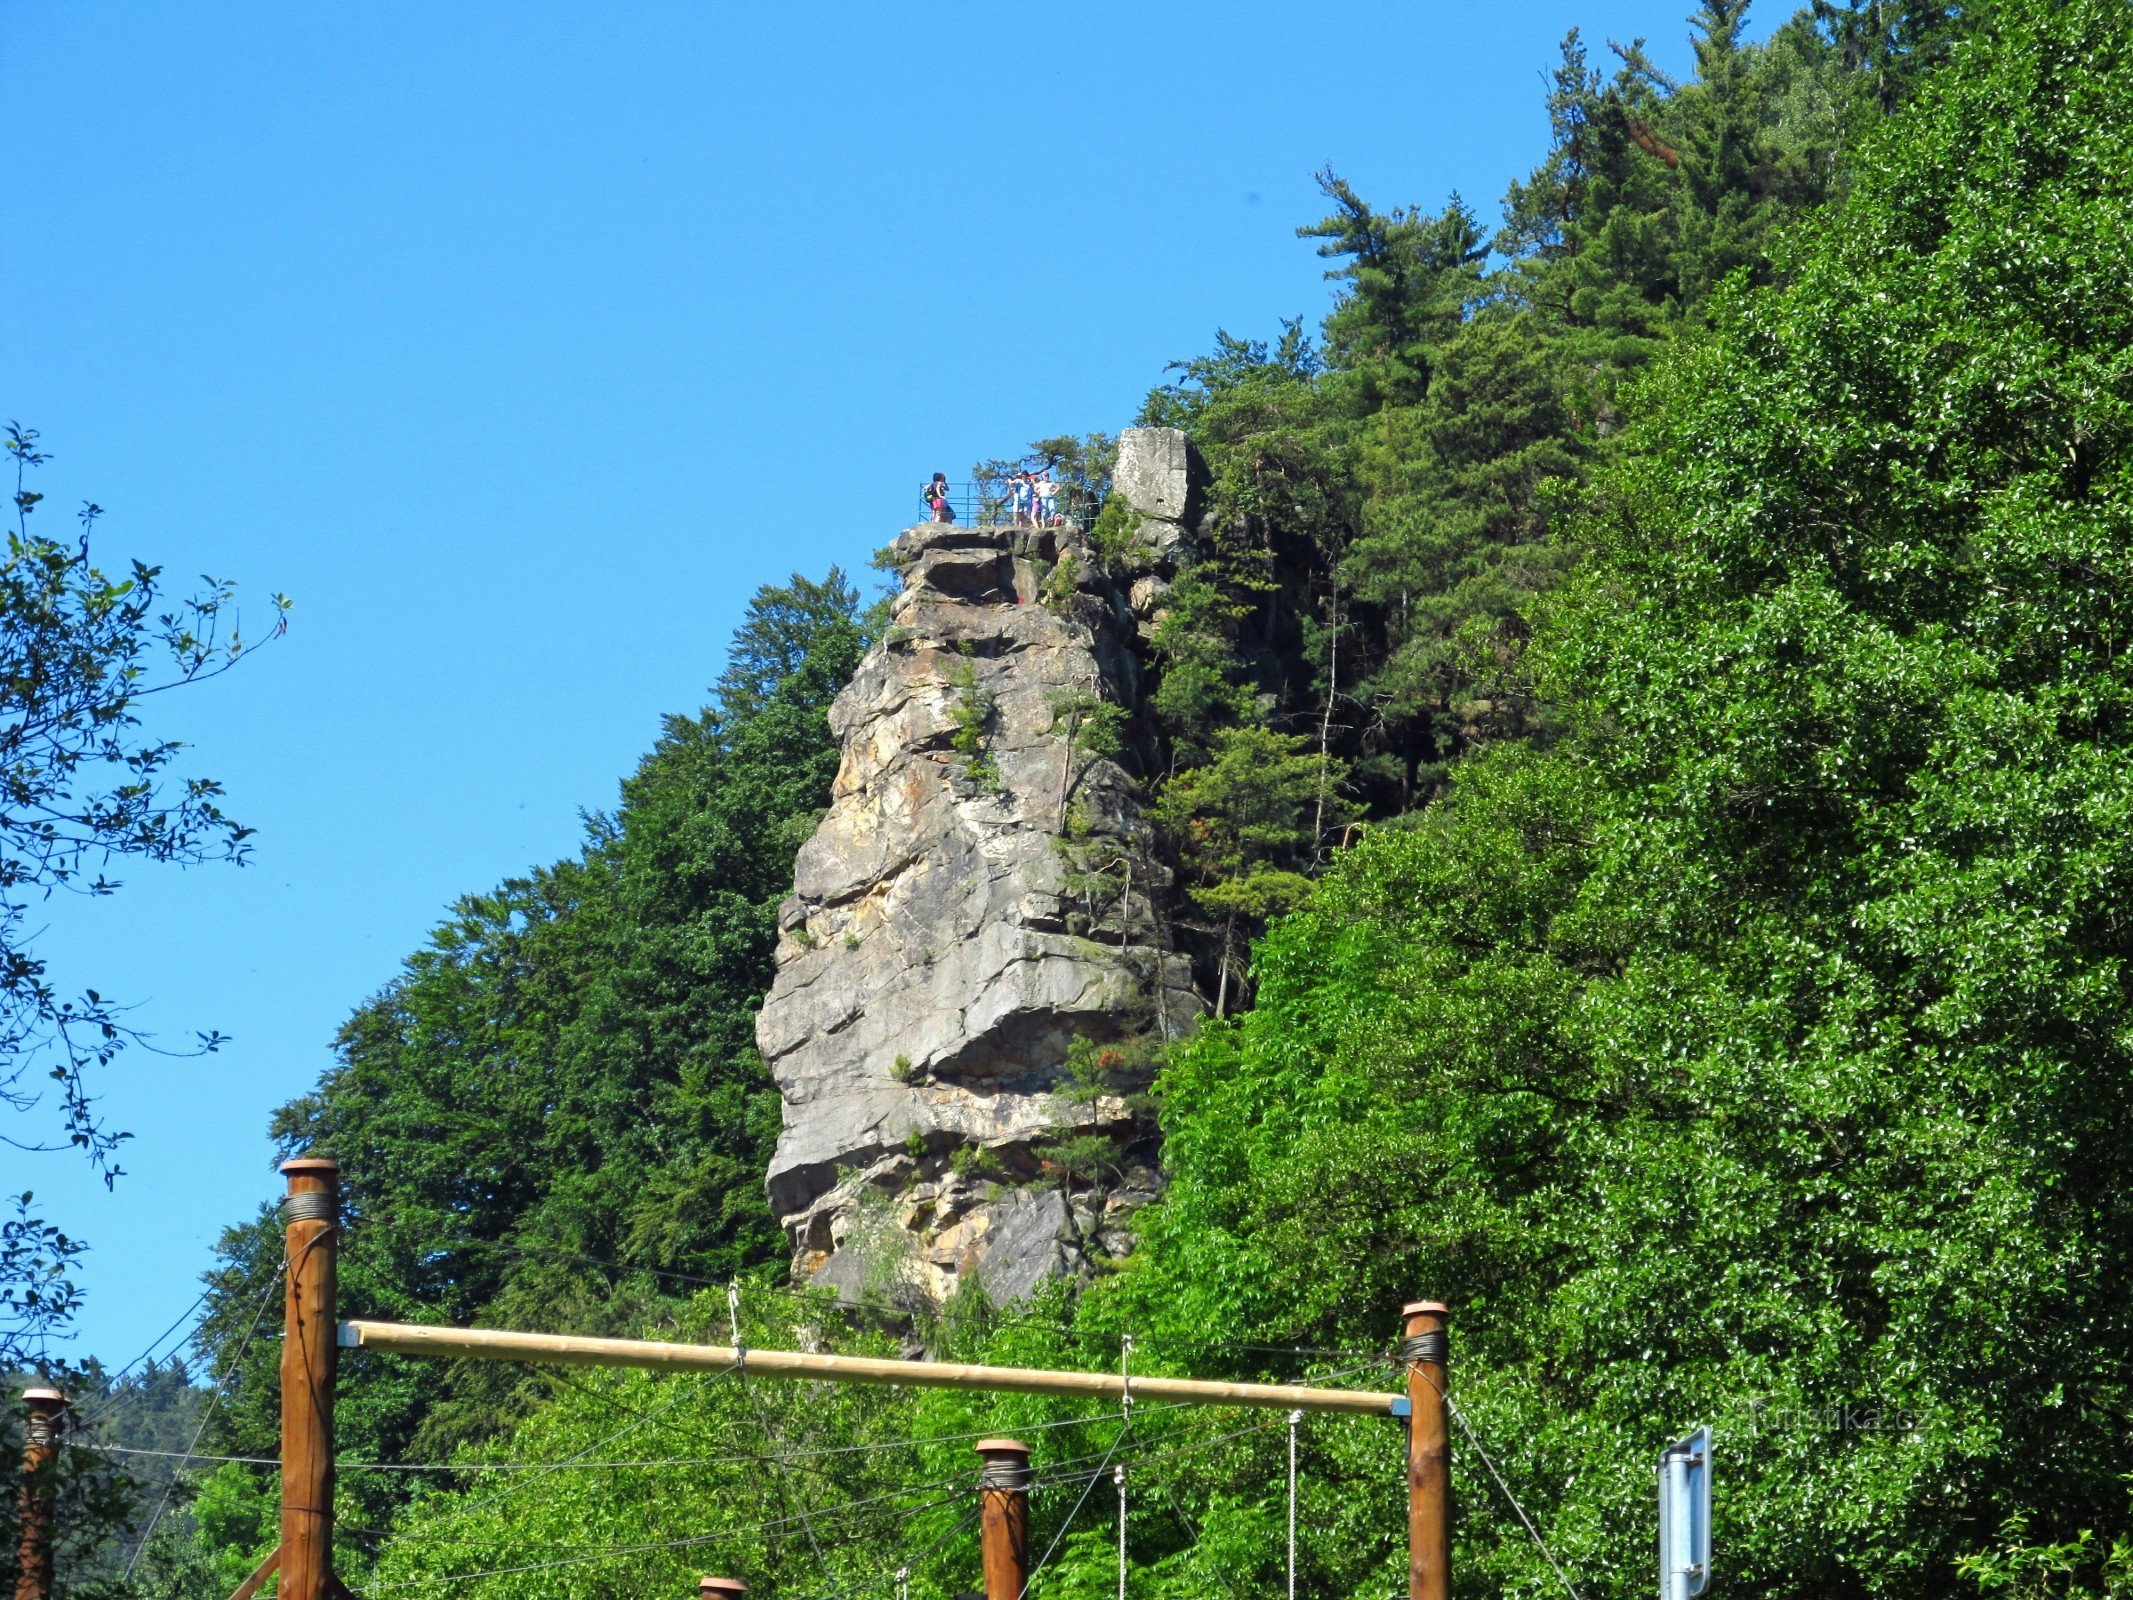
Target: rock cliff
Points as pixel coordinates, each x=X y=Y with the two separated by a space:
x=981 y=894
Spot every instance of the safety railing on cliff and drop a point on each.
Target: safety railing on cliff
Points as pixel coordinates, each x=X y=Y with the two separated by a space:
x=1001 y=503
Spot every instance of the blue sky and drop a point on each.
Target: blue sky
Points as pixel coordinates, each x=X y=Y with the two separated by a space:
x=519 y=344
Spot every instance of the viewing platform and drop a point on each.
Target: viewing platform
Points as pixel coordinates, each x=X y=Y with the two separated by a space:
x=994 y=503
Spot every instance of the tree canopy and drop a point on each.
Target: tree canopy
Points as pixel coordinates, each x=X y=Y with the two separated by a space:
x=1754 y=1053
x=1658 y=681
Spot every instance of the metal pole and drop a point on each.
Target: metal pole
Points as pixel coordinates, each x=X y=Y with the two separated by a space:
x=1118 y=1476
x=40 y=1449
x=311 y=1214
x=1003 y=1517
x=1295 y=1421
x=1675 y=1550
x=1425 y=1353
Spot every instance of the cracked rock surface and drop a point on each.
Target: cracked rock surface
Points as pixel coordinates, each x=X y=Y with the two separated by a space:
x=981 y=893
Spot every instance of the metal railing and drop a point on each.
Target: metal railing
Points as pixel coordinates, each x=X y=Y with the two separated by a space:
x=988 y=503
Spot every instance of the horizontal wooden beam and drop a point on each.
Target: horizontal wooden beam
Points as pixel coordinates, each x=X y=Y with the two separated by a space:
x=492 y=1344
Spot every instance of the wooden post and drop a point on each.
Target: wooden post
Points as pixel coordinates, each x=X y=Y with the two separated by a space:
x=1003 y=1517
x=311 y=1212
x=720 y=1589
x=40 y=1448
x=1426 y=1354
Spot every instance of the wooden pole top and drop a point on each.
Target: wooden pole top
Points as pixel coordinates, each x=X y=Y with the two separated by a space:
x=1001 y=1447
x=324 y=1166
x=1425 y=1308
x=43 y=1394
x=721 y=1588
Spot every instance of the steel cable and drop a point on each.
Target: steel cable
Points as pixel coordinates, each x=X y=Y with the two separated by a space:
x=208 y=1412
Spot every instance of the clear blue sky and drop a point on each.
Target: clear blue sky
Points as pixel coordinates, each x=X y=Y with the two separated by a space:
x=520 y=343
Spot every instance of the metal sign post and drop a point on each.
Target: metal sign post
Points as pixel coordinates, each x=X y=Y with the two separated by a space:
x=1685 y=1517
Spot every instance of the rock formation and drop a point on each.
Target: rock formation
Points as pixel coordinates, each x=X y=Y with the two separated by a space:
x=1157 y=478
x=981 y=894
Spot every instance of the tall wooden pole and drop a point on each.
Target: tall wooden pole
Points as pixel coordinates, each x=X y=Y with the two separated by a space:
x=40 y=1447
x=1426 y=1354
x=1003 y=1517
x=311 y=1213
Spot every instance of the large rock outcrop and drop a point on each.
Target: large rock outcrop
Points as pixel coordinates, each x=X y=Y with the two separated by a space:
x=981 y=893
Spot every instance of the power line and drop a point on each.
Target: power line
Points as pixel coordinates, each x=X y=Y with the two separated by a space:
x=576 y=1464
x=109 y=1399
x=208 y=1411
x=860 y=1586
x=740 y=1369
x=1221 y=1568
x=638 y=1420
x=671 y=1544
x=1459 y=1417
x=571 y=1464
x=1125 y=1427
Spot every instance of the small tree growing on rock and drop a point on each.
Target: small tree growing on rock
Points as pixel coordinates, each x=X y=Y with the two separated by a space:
x=1242 y=823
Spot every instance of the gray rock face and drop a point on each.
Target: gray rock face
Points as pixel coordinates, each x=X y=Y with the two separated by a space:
x=1154 y=471
x=980 y=894
x=1159 y=475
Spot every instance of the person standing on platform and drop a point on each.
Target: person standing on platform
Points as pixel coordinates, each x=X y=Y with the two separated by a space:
x=936 y=496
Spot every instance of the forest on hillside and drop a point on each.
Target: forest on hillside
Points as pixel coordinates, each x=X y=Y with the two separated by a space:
x=1651 y=748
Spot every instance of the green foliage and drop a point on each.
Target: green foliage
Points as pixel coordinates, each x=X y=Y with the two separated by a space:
x=1739 y=1040
x=1080 y=464
x=1202 y=686
x=556 y=1110
x=804 y=1489
x=1092 y=729
x=1112 y=537
x=86 y=791
x=1242 y=815
x=785 y=1528
x=85 y=788
x=1756 y=1055
x=970 y=713
x=1244 y=823
x=1118 y=1068
x=1455 y=539
x=2079 y=1568
x=1057 y=590
x=238 y=1515
x=1407 y=280
x=1386 y=500
x=104 y=1501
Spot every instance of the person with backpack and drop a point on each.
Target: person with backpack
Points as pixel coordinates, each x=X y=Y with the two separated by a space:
x=935 y=495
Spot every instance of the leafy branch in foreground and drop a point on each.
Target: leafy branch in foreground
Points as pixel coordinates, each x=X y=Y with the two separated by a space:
x=80 y=786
